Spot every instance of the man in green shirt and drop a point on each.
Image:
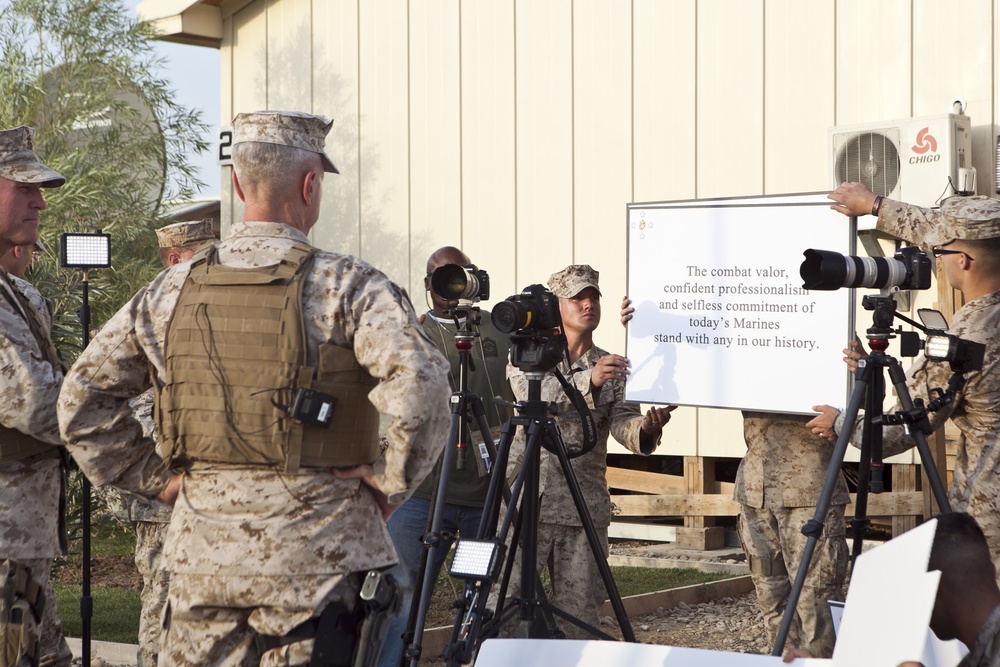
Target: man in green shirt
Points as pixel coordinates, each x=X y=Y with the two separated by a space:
x=467 y=486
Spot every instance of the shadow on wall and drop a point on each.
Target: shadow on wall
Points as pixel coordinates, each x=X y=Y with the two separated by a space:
x=352 y=219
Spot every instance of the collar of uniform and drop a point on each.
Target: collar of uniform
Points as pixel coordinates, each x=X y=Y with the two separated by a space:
x=265 y=230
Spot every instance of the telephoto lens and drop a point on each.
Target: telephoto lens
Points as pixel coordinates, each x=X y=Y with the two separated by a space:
x=828 y=270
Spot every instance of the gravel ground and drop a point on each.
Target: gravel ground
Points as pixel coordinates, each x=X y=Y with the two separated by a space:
x=729 y=624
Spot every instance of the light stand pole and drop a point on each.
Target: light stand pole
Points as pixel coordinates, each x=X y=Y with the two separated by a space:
x=85 y=251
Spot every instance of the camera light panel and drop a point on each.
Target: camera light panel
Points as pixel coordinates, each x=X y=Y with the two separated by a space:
x=475 y=559
x=85 y=251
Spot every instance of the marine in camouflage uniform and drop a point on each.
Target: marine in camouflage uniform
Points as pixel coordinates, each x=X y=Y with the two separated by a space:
x=255 y=552
x=600 y=377
x=777 y=486
x=31 y=485
x=178 y=242
x=968 y=230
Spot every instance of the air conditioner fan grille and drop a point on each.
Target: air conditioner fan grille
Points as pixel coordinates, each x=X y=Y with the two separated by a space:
x=870 y=158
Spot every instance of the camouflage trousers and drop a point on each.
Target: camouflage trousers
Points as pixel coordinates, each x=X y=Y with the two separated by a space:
x=53 y=650
x=773 y=541
x=219 y=620
x=149 y=540
x=576 y=584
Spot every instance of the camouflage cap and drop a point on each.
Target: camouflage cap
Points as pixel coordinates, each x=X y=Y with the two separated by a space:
x=193 y=235
x=285 y=128
x=572 y=280
x=966 y=218
x=18 y=161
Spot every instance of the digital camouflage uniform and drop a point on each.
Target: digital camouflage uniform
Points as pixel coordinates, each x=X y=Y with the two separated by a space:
x=248 y=537
x=31 y=529
x=777 y=486
x=575 y=578
x=253 y=551
x=986 y=652
x=150 y=519
x=975 y=410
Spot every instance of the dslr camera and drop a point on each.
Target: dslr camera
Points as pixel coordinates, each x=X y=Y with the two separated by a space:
x=535 y=326
x=454 y=282
x=909 y=268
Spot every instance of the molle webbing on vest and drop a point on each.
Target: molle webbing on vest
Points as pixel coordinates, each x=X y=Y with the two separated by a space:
x=15 y=445
x=235 y=353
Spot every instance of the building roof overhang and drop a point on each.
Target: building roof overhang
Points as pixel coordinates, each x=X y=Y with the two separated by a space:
x=197 y=22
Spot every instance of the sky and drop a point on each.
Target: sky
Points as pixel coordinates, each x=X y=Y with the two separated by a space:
x=193 y=72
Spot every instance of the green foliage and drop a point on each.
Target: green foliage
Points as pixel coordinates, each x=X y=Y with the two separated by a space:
x=115 y=618
x=84 y=75
x=110 y=530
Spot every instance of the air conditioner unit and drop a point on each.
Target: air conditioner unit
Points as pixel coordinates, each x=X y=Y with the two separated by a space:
x=914 y=160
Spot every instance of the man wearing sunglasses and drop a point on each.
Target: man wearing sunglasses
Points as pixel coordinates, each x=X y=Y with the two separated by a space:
x=964 y=234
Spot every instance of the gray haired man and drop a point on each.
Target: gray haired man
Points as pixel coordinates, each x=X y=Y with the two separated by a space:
x=31 y=521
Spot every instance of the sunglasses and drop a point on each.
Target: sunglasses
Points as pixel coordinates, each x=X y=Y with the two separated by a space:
x=937 y=252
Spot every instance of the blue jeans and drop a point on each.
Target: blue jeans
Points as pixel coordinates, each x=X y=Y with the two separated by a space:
x=407 y=526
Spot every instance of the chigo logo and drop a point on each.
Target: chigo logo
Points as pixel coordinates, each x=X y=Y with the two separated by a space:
x=925 y=148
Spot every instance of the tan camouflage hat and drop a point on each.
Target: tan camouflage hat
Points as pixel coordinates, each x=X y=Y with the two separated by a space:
x=572 y=280
x=285 y=128
x=966 y=218
x=18 y=161
x=193 y=235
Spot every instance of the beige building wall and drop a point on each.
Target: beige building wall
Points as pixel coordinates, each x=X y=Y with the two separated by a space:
x=520 y=129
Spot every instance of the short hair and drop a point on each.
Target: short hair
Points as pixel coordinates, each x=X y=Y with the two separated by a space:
x=273 y=166
x=984 y=251
x=960 y=551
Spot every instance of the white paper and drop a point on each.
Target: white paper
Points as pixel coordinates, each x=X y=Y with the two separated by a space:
x=593 y=653
x=889 y=602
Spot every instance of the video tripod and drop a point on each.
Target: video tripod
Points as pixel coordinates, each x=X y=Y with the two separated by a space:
x=870 y=388
x=462 y=402
x=540 y=431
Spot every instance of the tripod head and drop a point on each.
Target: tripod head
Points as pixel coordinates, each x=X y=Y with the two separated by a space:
x=883 y=309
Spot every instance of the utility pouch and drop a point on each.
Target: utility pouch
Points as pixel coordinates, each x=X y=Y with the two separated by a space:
x=21 y=604
x=381 y=601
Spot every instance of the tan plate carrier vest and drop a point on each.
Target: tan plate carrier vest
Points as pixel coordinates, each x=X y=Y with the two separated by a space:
x=235 y=352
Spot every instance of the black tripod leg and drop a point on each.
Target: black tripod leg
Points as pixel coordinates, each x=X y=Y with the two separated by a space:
x=469 y=630
x=898 y=379
x=418 y=614
x=814 y=528
x=596 y=546
x=874 y=397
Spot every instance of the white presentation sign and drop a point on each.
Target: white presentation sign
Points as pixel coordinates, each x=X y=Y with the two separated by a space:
x=721 y=318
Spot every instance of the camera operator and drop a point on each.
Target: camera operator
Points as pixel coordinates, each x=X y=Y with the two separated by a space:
x=467 y=486
x=778 y=486
x=965 y=236
x=575 y=578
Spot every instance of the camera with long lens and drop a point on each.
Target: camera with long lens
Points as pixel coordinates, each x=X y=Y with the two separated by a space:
x=532 y=319
x=454 y=282
x=909 y=268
